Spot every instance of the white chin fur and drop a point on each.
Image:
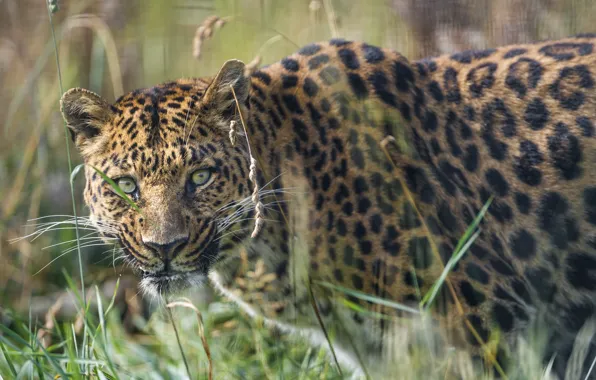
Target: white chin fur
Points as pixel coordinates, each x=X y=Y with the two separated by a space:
x=176 y=283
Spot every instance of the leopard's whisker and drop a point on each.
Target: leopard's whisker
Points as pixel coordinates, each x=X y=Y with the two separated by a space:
x=56 y=216
x=86 y=245
x=81 y=219
x=271 y=181
x=262 y=194
x=38 y=232
x=227 y=225
x=83 y=223
x=242 y=209
x=231 y=233
x=65 y=253
x=85 y=238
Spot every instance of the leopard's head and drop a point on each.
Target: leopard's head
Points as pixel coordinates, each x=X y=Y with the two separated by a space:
x=186 y=185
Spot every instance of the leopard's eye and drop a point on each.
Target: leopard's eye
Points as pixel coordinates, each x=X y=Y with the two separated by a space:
x=200 y=177
x=127 y=184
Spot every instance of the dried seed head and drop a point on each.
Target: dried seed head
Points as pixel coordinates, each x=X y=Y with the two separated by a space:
x=233 y=132
x=205 y=32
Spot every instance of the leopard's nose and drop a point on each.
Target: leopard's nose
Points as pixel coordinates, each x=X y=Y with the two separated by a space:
x=168 y=250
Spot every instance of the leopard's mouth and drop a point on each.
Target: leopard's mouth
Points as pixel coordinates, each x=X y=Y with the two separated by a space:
x=168 y=279
x=164 y=283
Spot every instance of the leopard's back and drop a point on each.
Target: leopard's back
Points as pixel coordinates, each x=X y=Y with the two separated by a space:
x=513 y=124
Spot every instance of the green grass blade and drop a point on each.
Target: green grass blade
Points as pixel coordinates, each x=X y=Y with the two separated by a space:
x=103 y=327
x=430 y=296
x=52 y=361
x=16 y=337
x=368 y=297
x=462 y=247
x=9 y=344
x=26 y=371
x=471 y=228
x=8 y=359
x=117 y=189
x=40 y=370
x=113 y=301
x=57 y=346
x=359 y=309
x=102 y=322
x=179 y=342
x=76 y=171
x=322 y=325
x=51 y=10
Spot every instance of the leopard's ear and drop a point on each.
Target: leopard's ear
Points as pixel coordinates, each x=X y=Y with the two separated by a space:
x=86 y=114
x=220 y=98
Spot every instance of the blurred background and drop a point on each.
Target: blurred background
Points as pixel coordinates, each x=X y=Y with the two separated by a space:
x=114 y=46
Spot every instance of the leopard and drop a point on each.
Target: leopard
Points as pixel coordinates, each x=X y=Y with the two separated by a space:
x=346 y=168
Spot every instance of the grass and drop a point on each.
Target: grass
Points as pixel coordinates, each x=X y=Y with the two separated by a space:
x=124 y=49
x=243 y=349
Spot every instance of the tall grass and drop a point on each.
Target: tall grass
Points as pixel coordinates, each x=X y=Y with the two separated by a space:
x=52 y=8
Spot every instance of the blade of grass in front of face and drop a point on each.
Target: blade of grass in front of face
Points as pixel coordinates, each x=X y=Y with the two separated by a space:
x=117 y=189
x=462 y=246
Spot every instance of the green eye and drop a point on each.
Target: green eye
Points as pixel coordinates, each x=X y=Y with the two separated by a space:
x=127 y=185
x=200 y=177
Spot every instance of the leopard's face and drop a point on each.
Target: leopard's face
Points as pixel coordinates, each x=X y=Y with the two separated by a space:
x=181 y=183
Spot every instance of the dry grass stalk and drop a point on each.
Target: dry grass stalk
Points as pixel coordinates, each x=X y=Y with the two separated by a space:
x=184 y=302
x=43 y=335
x=252 y=175
x=331 y=18
x=8 y=53
x=80 y=321
x=252 y=66
x=233 y=132
x=102 y=31
x=205 y=32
